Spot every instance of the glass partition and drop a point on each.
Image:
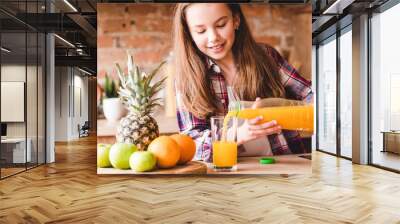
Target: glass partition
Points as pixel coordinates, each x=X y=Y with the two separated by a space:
x=346 y=93
x=22 y=64
x=327 y=96
x=385 y=89
x=13 y=95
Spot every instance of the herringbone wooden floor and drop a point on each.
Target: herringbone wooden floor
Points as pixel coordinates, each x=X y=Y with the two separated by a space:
x=69 y=191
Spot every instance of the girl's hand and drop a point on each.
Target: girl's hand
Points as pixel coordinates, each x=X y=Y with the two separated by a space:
x=252 y=129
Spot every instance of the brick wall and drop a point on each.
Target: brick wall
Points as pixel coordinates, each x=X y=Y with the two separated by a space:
x=145 y=30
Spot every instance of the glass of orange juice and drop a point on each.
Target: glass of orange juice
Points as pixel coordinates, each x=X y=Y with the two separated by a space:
x=224 y=144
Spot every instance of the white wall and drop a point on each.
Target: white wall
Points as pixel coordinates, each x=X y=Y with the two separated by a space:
x=34 y=124
x=71 y=102
x=80 y=84
x=12 y=73
x=61 y=103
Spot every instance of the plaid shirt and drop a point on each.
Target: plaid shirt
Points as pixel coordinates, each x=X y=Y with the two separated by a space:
x=288 y=142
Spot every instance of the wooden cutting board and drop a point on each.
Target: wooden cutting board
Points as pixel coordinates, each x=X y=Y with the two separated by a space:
x=193 y=167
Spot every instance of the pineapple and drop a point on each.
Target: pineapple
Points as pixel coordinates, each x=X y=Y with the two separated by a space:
x=137 y=94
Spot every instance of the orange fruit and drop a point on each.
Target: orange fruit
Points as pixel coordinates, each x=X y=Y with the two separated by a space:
x=186 y=146
x=166 y=150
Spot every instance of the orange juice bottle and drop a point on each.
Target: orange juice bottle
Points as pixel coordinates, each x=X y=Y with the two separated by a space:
x=289 y=114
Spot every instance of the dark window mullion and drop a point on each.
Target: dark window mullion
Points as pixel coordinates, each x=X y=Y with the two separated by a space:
x=338 y=74
x=369 y=100
x=37 y=90
x=317 y=96
x=44 y=79
x=73 y=93
x=26 y=86
x=0 y=95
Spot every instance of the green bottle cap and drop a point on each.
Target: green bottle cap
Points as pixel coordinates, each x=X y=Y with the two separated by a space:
x=267 y=160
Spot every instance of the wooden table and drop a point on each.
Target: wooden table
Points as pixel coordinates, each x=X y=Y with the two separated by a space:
x=193 y=167
x=287 y=164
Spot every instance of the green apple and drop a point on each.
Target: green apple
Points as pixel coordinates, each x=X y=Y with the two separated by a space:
x=103 y=151
x=142 y=161
x=120 y=153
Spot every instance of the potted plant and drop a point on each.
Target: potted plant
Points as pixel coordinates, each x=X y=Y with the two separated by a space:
x=112 y=106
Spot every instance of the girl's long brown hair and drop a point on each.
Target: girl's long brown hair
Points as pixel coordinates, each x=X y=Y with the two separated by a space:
x=258 y=75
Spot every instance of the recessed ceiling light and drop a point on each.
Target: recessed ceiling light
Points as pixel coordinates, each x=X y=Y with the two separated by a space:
x=84 y=71
x=5 y=50
x=65 y=41
x=337 y=7
x=70 y=5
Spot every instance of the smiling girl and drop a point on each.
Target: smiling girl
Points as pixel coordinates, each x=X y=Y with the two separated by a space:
x=214 y=50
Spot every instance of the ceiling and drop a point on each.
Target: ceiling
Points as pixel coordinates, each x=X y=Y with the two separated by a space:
x=72 y=20
x=332 y=15
x=76 y=21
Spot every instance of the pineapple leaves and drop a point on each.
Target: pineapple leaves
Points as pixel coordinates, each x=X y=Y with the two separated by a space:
x=157 y=87
x=136 y=74
x=121 y=75
x=130 y=62
x=137 y=91
x=156 y=99
x=151 y=76
x=136 y=108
